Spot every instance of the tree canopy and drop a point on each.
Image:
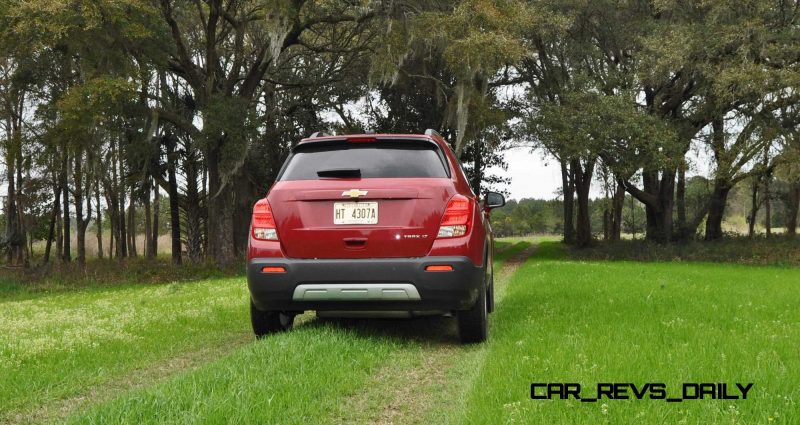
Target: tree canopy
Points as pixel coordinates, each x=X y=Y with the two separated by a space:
x=115 y=111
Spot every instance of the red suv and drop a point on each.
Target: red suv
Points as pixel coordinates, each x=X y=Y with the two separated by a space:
x=372 y=224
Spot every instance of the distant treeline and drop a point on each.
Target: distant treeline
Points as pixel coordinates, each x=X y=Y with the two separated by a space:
x=538 y=216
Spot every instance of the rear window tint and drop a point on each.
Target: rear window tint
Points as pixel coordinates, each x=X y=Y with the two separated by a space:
x=382 y=159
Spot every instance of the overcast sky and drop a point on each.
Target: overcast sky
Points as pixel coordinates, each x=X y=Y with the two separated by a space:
x=535 y=177
x=531 y=176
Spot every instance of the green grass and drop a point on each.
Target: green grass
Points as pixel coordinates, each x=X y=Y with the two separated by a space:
x=590 y=322
x=108 y=355
x=54 y=347
x=291 y=378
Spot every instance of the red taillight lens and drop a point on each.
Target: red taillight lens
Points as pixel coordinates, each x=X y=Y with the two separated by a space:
x=264 y=222
x=457 y=212
x=455 y=220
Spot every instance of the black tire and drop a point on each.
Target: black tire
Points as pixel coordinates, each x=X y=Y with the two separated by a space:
x=473 y=324
x=269 y=322
x=490 y=301
x=490 y=292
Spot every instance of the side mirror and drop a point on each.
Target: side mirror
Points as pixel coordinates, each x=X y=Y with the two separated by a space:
x=494 y=200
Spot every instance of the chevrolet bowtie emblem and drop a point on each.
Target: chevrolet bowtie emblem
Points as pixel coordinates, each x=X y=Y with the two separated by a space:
x=354 y=193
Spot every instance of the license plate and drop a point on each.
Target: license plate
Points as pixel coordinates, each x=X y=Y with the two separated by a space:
x=355 y=213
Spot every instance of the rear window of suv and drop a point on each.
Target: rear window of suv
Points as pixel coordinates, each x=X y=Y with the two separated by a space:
x=380 y=159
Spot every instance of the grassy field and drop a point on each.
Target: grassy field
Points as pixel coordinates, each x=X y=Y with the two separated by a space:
x=183 y=353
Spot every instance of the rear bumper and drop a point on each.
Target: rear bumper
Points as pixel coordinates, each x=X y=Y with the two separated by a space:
x=386 y=284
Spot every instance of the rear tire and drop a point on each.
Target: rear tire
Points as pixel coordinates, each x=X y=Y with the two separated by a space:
x=473 y=324
x=269 y=322
x=490 y=301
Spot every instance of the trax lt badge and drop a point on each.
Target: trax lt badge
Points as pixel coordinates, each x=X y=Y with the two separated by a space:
x=354 y=193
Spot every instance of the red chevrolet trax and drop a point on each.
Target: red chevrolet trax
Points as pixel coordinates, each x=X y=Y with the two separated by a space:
x=372 y=225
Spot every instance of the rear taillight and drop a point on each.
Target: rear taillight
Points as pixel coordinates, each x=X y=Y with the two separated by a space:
x=264 y=222
x=455 y=221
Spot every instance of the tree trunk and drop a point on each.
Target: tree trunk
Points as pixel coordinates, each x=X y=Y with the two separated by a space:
x=24 y=253
x=194 y=238
x=683 y=231
x=617 y=203
x=768 y=205
x=15 y=236
x=148 y=220
x=751 y=219
x=156 y=215
x=716 y=210
x=59 y=229
x=477 y=171
x=174 y=203
x=53 y=220
x=245 y=195
x=206 y=198
x=792 y=209
x=66 y=250
x=220 y=213
x=658 y=197
x=122 y=240
x=117 y=206
x=113 y=241
x=99 y=219
x=132 y=231
x=80 y=223
x=583 y=183
x=568 y=188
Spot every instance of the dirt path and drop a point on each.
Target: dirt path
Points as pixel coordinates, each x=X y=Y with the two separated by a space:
x=432 y=371
x=515 y=261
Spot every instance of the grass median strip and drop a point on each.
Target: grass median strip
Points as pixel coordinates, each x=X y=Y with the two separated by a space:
x=297 y=377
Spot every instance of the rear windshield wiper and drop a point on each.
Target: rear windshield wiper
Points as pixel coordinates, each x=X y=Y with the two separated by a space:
x=340 y=172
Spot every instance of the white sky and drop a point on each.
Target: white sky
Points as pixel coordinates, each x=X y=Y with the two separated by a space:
x=531 y=175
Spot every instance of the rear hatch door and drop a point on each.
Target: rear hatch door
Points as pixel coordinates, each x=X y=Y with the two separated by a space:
x=367 y=200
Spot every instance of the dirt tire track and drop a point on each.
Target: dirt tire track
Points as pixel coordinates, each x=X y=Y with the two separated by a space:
x=152 y=374
x=404 y=398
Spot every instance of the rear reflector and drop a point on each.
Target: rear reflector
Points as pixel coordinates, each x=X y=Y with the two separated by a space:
x=271 y=269
x=438 y=268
